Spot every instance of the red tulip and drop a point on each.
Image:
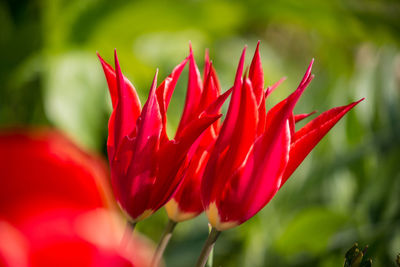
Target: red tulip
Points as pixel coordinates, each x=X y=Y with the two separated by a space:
x=41 y=169
x=53 y=206
x=186 y=202
x=147 y=167
x=256 y=152
x=66 y=238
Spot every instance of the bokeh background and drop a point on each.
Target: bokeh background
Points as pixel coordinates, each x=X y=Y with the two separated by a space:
x=348 y=190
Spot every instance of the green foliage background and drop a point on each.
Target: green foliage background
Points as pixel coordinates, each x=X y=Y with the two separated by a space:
x=347 y=190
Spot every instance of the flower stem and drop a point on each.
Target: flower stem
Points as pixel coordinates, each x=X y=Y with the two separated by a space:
x=211 y=255
x=208 y=246
x=166 y=236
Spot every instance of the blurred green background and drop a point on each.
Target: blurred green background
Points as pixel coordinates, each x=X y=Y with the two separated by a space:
x=347 y=190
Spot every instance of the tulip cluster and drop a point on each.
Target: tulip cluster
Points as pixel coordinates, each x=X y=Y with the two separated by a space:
x=257 y=151
x=147 y=167
x=230 y=169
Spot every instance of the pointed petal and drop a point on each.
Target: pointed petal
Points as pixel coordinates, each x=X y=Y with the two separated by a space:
x=224 y=138
x=307 y=74
x=209 y=94
x=256 y=74
x=207 y=65
x=271 y=88
x=300 y=117
x=164 y=93
x=308 y=137
x=126 y=110
x=245 y=131
x=131 y=106
x=215 y=79
x=252 y=187
x=275 y=116
x=234 y=105
x=297 y=118
x=166 y=88
x=215 y=106
x=112 y=85
x=262 y=115
x=228 y=162
x=194 y=91
x=150 y=121
x=292 y=125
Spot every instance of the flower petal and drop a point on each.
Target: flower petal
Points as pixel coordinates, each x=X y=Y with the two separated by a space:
x=300 y=117
x=126 y=111
x=275 y=116
x=224 y=138
x=271 y=88
x=129 y=108
x=308 y=137
x=245 y=132
x=207 y=65
x=256 y=74
x=164 y=93
x=166 y=88
x=262 y=115
x=236 y=155
x=253 y=186
x=149 y=123
x=139 y=156
x=172 y=159
x=210 y=91
x=112 y=85
x=233 y=109
x=194 y=92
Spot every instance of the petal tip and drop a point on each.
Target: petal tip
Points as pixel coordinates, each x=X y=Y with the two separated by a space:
x=190 y=47
x=116 y=59
x=99 y=57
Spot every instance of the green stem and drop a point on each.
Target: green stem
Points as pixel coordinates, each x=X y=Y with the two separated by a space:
x=169 y=228
x=208 y=246
x=211 y=256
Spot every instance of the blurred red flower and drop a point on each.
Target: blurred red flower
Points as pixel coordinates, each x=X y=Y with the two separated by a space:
x=54 y=205
x=256 y=152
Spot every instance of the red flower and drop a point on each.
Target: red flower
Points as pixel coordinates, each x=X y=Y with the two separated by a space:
x=42 y=170
x=256 y=152
x=147 y=167
x=66 y=238
x=186 y=202
x=54 y=206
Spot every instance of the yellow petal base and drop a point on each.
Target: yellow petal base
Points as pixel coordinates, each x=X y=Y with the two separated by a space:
x=144 y=215
x=175 y=214
x=215 y=221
